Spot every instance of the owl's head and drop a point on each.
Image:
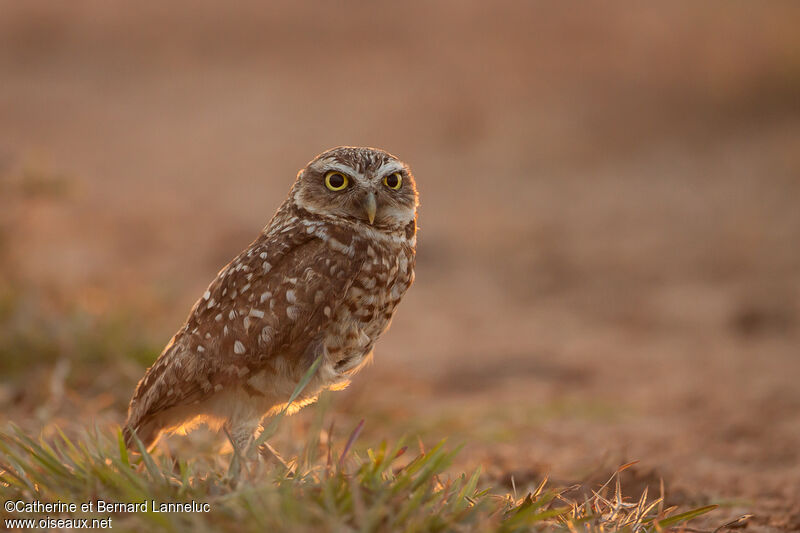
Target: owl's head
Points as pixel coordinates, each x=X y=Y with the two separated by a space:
x=363 y=185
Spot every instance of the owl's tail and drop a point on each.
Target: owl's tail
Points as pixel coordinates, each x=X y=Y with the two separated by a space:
x=146 y=431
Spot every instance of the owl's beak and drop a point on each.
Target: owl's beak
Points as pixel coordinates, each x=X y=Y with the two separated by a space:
x=370 y=206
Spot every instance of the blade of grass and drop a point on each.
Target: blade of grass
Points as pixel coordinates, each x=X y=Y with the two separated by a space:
x=684 y=517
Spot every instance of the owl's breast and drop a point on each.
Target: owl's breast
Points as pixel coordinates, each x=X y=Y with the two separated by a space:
x=369 y=304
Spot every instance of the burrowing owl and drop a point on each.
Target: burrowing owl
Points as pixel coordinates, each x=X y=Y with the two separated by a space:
x=321 y=280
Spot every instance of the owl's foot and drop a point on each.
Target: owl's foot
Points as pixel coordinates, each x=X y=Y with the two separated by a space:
x=269 y=453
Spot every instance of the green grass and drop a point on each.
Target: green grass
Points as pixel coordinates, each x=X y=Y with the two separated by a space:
x=322 y=488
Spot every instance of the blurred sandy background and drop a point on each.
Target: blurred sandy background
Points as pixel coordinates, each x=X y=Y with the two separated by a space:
x=609 y=253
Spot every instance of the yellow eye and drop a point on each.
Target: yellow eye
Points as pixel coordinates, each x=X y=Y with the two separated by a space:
x=335 y=181
x=393 y=181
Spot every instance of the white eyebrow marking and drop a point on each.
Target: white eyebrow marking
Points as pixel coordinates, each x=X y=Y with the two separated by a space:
x=388 y=168
x=341 y=168
x=332 y=164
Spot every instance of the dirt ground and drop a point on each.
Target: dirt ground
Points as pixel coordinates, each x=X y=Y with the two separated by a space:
x=609 y=253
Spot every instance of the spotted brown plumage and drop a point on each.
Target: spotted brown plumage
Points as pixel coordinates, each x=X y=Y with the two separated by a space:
x=323 y=279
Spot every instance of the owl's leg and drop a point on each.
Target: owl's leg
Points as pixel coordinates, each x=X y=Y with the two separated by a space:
x=242 y=435
x=242 y=432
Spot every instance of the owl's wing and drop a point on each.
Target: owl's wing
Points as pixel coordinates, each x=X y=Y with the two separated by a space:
x=264 y=311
